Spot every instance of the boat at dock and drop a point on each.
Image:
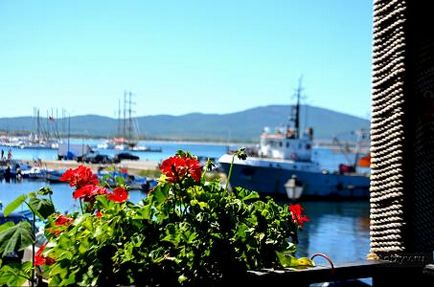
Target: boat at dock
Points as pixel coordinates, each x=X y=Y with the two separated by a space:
x=124 y=144
x=147 y=149
x=283 y=164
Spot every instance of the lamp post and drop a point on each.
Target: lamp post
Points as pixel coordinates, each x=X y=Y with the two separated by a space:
x=293 y=188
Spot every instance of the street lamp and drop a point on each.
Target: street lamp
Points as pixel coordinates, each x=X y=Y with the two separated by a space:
x=294 y=188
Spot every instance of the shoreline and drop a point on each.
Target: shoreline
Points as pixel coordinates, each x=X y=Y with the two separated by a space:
x=134 y=167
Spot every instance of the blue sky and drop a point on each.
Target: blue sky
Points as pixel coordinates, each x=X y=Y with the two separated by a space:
x=179 y=57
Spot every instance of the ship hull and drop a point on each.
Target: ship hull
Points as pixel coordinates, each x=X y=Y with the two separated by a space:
x=271 y=181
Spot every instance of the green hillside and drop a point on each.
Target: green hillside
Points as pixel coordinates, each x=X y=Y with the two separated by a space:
x=240 y=126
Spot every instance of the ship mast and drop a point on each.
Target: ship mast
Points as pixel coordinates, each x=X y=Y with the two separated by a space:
x=297 y=108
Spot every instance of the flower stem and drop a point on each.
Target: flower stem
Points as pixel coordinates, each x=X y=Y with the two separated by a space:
x=33 y=250
x=81 y=206
x=230 y=173
x=32 y=281
x=51 y=199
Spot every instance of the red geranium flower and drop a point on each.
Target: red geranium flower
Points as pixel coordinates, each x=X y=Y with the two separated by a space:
x=40 y=259
x=79 y=177
x=62 y=220
x=176 y=168
x=194 y=168
x=119 y=195
x=297 y=214
x=88 y=192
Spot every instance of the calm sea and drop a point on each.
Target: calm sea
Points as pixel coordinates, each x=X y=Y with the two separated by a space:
x=339 y=229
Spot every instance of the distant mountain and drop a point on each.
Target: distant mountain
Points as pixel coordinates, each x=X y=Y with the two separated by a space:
x=240 y=126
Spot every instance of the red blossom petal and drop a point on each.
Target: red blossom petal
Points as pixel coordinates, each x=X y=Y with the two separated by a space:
x=49 y=261
x=119 y=195
x=194 y=169
x=88 y=192
x=99 y=190
x=41 y=249
x=175 y=168
x=68 y=176
x=297 y=214
x=40 y=259
x=63 y=220
x=98 y=214
x=79 y=177
x=84 y=191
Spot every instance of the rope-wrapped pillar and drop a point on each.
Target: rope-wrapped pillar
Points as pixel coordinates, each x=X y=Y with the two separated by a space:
x=402 y=131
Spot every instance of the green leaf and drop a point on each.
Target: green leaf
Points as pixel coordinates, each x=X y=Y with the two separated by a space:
x=68 y=281
x=203 y=205
x=27 y=267
x=146 y=212
x=286 y=259
x=160 y=194
x=45 y=191
x=182 y=278
x=189 y=237
x=57 y=269
x=246 y=194
x=305 y=262
x=14 y=204
x=6 y=225
x=15 y=274
x=42 y=207
x=120 y=181
x=17 y=237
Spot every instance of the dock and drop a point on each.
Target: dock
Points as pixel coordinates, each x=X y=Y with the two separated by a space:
x=134 y=167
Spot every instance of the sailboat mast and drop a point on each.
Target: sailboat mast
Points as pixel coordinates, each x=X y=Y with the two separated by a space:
x=38 y=125
x=119 y=118
x=124 y=129
x=130 y=120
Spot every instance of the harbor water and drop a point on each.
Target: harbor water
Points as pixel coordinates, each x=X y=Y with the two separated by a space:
x=339 y=229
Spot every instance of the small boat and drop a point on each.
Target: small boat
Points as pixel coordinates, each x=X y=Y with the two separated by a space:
x=13 y=169
x=36 y=173
x=107 y=144
x=146 y=149
x=53 y=176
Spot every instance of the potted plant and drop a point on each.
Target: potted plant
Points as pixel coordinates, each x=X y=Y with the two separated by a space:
x=187 y=231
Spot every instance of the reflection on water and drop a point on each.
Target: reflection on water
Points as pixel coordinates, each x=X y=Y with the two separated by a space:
x=338 y=229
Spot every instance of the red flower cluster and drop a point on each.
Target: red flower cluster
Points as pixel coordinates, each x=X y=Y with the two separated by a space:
x=42 y=260
x=119 y=195
x=176 y=168
x=63 y=220
x=79 y=177
x=88 y=192
x=87 y=188
x=297 y=214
